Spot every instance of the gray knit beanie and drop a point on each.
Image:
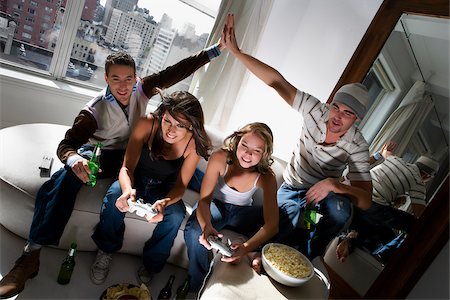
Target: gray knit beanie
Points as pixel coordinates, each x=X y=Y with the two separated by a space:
x=427 y=165
x=355 y=96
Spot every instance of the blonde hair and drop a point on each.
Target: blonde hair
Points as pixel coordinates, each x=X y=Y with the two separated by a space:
x=263 y=131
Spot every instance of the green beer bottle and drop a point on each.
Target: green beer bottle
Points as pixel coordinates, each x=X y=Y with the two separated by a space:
x=94 y=164
x=183 y=289
x=65 y=272
x=311 y=217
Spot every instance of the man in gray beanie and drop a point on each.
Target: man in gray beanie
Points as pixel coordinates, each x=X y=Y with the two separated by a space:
x=329 y=143
x=392 y=180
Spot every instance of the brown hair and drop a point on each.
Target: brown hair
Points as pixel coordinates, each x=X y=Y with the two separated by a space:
x=264 y=132
x=119 y=58
x=180 y=105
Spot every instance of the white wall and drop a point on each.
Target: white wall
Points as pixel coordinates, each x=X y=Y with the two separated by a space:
x=29 y=99
x=310 y=43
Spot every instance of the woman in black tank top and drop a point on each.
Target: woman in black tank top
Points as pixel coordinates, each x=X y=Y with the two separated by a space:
x=162 y=154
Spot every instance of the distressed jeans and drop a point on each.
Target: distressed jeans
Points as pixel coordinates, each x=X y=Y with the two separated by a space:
x=335 y=209
x=245 y=220
x=55 y=199
x=109 y=232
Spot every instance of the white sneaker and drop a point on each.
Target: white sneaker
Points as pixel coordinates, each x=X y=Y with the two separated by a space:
x=100 y=267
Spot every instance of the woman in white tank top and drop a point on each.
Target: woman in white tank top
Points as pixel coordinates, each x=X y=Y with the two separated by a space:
x=232 y=176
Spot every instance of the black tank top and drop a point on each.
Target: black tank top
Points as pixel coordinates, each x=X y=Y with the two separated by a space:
x=161 y=170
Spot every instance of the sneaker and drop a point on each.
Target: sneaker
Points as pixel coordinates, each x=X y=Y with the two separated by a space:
x=100 y=267
x=143 y=276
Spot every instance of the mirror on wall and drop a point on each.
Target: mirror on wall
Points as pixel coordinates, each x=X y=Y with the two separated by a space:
x=409 y=92
x=426 y=242
x=408 y=79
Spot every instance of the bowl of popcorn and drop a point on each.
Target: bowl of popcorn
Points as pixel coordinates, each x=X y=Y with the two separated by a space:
x=126 y=291
x=286 y=265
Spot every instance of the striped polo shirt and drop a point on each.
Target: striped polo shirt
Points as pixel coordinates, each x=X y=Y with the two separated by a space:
x=395 y=177
x=312 y=162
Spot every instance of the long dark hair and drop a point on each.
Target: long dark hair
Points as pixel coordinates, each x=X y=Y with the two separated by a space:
x=179 y=105
x=263 y=131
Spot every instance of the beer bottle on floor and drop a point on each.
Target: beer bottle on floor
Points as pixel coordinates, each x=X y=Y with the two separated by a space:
x=183 y=289
x=94 y=164
x=65 y=272
x=166 y=291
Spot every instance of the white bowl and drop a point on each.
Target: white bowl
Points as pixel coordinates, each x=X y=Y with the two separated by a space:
x=281 y=276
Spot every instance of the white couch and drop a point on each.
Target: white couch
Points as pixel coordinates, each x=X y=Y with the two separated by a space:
x=21 y=150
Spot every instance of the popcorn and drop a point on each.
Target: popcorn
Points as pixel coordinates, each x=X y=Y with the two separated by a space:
x=117 y=291
x=287 y=260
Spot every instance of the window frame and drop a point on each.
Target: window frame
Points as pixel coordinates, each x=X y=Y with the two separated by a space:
x=64 y=45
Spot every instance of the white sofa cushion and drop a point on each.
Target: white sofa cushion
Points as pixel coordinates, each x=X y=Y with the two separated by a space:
x=22 y=148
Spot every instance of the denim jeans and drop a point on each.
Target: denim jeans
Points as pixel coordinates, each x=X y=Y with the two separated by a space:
x=375 y=225
x=335 y=209
x=383 y=215
x=56 y=198
x=109 y=232
x=243 y=219
x=385 y=252
x=196 y=181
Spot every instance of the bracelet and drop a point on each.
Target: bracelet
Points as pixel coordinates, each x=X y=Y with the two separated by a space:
x=213 y=51
x=377 y=155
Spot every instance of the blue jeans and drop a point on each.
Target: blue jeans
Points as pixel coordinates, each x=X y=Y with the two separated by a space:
x=375 y=225
x=109 y=232
x=56 y=198
x=243 y=219
x=196 y=181
x=335 y=209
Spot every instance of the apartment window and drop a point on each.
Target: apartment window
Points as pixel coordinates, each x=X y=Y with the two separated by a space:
x=106 y=27
x=33 y=3
x=26 y=35
x=28 y=27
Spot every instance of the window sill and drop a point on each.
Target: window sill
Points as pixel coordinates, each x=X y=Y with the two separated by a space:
x=28 y=80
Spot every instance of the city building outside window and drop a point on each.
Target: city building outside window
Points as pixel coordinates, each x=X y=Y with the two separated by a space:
x=70 y=39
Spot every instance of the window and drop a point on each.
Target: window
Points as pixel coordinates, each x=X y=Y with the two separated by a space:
x=26 y=35
x=106 y=26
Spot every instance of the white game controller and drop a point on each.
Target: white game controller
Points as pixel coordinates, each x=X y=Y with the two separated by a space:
x=217 y=243
x=142 y=209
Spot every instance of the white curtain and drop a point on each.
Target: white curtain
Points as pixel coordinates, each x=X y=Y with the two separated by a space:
x=405 y=120
x=217 y=86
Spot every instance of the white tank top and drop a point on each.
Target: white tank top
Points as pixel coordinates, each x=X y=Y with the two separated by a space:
x=223 y=192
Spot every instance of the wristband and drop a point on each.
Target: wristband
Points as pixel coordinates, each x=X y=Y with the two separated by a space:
x=377 y=155
x=213 y=51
